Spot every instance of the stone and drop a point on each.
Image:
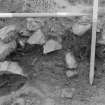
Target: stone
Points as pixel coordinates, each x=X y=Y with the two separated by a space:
x=67 y=92
x=32 y=25
x=14 y=67
x=9 y=66
x=8 y=33
x=6 y=49
x=101 y=40
x=24 y=32
x=70 y=73
x=70 y=60
x=80 y=29
x=49 y=101
x=37 y=38
x=22 y=41
x=19 y=101
x=51 y=45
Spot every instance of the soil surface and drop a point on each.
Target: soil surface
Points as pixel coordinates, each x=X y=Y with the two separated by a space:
x=46 y=77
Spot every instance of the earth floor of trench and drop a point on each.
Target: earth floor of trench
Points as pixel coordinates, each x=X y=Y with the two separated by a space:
x=46 y=75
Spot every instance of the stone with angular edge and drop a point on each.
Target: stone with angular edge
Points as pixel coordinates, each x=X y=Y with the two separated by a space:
x=70 y=60
x=37 y=38
x=80 y=29
x=6 y=49
x=49 y=101
x=67 y=92
x=51 y=45
x=71 y=73
x=8 y=33
x=9 y=66
x=32 y=25
x=101 y=40
x=24 y=32
x=19 y=101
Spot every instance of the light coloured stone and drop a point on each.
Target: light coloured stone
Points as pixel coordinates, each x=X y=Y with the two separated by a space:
x=49 y=101
x=15 y=68
x=67 y=92
x=37 y=38
x=10 y=66
x=32 y=25
x=5 y=34
x=51 y=45
x=4 y=65
x=70 y=73
x=22 y=42
x=70 y=60
x=24 y=32
x=102 y=38
x=6 y=49
x=80 y=29
x=28 y=88
x=19 y=101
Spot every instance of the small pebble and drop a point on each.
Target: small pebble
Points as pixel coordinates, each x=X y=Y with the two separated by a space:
x=70 y=73
x=19 y=101
x=67 y=93
x=70 y=61
x=49 y=101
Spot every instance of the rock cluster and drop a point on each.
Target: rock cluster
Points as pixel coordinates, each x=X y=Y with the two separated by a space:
x=47 y=32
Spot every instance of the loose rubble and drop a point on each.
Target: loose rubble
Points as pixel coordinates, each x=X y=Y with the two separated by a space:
x=37 y=38
x=49 y=101
x=12 y=67
x=67 y=93
x=6 y=49
x=102 y=37
x=7 y=33
x=24 y=32
x=51 y=45
x=79 y=29
x=32 y=25
x=19 y=101
x=71 y=73
x=22 y=42
x=49 y=34
x=70 y=60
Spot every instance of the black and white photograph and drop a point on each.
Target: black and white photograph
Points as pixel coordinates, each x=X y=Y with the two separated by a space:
x=52 y=52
